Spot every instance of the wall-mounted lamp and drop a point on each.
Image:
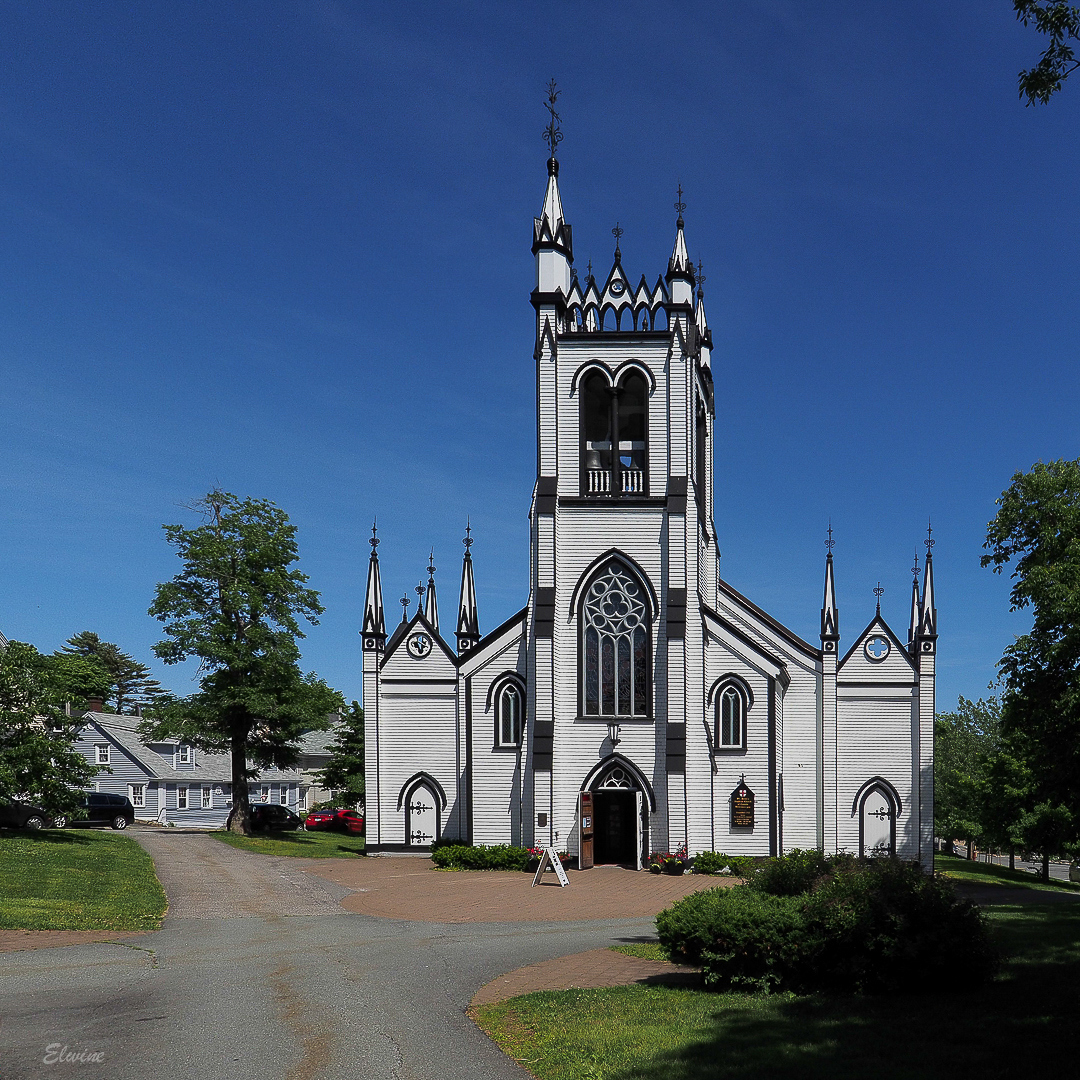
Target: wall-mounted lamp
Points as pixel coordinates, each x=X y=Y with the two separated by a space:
x=613 y=732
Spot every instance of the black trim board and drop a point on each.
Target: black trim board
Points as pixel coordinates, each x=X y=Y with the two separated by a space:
x=789 y=636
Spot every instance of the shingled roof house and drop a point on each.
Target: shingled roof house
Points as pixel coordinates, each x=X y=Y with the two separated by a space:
x=175 y=784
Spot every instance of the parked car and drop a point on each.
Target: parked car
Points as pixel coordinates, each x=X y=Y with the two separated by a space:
x=339 y=820
x=270 y=817
x=17 y=815
x=101 y=808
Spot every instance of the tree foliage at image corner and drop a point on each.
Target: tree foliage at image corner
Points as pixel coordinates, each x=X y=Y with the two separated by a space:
x=236 y=606
x=1060 y=23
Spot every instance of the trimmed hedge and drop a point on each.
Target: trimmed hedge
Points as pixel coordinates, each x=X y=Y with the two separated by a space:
x=869 y=926
x=463 y=857
x=716 y=862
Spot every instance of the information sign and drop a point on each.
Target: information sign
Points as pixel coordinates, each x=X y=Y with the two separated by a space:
x=742 y=806
x=550 y=858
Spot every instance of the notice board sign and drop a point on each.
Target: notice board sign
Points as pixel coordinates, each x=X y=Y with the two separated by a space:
x=742 y=806
x=550 y=860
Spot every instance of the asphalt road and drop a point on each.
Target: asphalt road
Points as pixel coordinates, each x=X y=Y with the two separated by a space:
x=259 y=974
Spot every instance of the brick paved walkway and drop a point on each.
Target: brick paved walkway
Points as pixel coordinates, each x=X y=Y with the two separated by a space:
x=410 y=888
x=585 y=971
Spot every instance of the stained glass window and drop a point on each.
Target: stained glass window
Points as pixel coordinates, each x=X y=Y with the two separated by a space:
x=615 y=621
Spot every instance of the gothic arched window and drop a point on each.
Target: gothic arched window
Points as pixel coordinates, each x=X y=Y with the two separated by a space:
x=614 y=434
x=509 y=710
x=615 y=644
x=732 y=705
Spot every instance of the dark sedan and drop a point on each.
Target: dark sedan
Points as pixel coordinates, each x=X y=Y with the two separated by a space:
x=17 y=815
x=337 y=820
x=270 y=817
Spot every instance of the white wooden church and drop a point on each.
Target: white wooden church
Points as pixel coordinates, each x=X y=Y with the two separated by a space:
x=635 y=673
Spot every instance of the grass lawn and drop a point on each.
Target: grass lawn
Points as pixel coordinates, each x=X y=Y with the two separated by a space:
x=77 y=880
x=957 y=869
x=311 y=845
x=1024 y=1022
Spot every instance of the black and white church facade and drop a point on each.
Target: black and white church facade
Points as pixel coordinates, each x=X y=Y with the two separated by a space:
x=635 y=672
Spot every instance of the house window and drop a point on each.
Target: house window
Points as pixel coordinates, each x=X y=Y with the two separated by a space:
x=732 y=704
x=508 y=713
x=614 y=435
x=301 y=799
x=183 y=755
x=264 y=793
x=207 y=798
x=615 y=644
x=101 y=754
x=137 y=795
x=283 y=795
x=181 y=797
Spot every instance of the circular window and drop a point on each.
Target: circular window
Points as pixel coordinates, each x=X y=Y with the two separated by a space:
x=876 y=648
x=617 y=287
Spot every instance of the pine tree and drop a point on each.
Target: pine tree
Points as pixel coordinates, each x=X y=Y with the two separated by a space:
x=131 y=682
x=344 y=772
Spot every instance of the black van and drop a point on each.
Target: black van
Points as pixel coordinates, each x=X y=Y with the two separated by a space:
x=100 y=808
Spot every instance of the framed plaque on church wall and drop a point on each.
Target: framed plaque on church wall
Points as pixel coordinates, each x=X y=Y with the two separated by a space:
x=742 y=806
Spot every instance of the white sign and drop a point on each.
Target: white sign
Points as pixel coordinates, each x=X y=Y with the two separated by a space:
x=551 y=858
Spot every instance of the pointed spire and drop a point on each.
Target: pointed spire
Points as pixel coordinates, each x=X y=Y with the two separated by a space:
x=374 y=629
x=431 y=603
x=830 y=615
x=928 y=615
x=551 y=233
x=879 y=592
x=913 y=624
x=680 y=275
x=618 y=232
x=468 y=624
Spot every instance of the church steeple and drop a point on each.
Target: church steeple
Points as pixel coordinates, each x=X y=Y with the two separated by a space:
x=680 y=275
x=928 y=614
x=431 y=603
x=913 y=623
x=830 y=615
x=468 y=624
x=553 y=243
x=374 y=628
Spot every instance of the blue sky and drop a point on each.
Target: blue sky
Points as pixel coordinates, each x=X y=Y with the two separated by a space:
x=284 y=248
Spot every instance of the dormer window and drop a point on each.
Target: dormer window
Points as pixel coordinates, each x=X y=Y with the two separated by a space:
x=614 y=435
x=183 y=755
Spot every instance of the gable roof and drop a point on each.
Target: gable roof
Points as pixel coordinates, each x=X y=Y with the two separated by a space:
x=404 y=629
x=879 y=624
x=789 y=636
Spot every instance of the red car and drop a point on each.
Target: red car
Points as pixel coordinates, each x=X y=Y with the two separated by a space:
x=338 y=820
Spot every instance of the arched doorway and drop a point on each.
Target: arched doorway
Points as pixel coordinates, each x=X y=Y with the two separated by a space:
x=421 y=816
x=618 y=810
x=877 y=823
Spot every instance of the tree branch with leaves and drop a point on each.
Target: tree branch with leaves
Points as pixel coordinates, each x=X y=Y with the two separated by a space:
x=1060 y=22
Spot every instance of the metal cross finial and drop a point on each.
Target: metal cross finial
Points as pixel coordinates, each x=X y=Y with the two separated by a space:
x=617 y=233
x=419 y=590
x=431 y=565
x=879 y=592
x=700 y=280
x=830 y=543
x=468 y=541
x=915 y=565
x=404 y=602
x=374 y=541
x=680 y=206
x=552 y=133
x=589 y=278
x=929 y=541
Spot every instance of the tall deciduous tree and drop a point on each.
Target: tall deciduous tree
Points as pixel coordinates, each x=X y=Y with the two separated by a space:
x=1037 y=530
x=130 y=681
x=344 y=772
x=1060 y=22
x=236 y=606
x=38 y=760
x=964 y=742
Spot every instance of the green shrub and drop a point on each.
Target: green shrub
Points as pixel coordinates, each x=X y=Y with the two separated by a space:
x=743 y=939
x=857 y=926
x=463 y=857
x=716 y=862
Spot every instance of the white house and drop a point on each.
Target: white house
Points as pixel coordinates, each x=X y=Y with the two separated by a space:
x=635 y=673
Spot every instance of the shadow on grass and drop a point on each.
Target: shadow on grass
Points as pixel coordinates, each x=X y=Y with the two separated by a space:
x=53 y=837
x=1027 y=1018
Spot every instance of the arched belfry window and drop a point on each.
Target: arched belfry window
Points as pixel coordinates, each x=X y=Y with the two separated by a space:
x=614 y=435
x=615 y=644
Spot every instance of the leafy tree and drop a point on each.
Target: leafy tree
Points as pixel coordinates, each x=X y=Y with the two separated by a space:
x=235 y=606
x=130 y=682
x=344 y=771
x=1037 y=529
x=38 y=760
x=963 y=744
x=1060 y=22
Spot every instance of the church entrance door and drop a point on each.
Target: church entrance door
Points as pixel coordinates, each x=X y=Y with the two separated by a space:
x=421 y=817
x=616 y=830
x=877 y=823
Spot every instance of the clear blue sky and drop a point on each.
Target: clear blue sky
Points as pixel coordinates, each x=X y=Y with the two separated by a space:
x=284 y=248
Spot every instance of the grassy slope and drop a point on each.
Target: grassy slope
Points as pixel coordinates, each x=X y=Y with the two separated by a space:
x=77 y=880
x=1025 y=1020
x=311 y=845
x=957 y=869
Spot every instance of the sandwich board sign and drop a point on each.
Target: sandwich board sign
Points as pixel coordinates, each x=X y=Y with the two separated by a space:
x=550 y=858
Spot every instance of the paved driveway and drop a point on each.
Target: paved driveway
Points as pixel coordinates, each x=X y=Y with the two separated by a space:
x=260 y=973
